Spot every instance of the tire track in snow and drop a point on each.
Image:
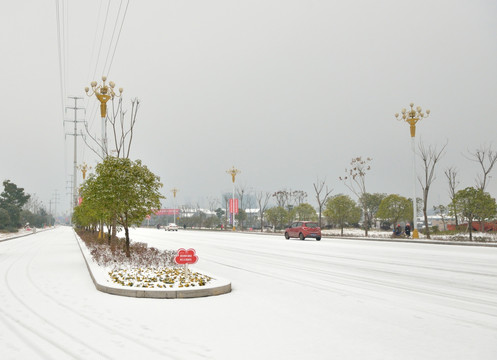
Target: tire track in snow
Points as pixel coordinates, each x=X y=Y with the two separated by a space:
x=10 y=323
x=361 y=282
x=94 y=321
x=44 y=320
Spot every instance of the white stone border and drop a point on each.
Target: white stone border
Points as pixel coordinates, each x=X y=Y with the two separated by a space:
x=216 y=286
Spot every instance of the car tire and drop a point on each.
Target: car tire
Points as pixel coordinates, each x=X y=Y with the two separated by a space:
x=318 y=238
x=287 y=236
x=301 y=236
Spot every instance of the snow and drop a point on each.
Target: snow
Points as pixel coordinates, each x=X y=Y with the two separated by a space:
x=291 y=299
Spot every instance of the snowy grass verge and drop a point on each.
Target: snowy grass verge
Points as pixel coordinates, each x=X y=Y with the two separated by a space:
x=381 y=234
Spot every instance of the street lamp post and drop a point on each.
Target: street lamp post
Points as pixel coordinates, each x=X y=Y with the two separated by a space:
x=174 y=191
x=411 y=117
x=103 y=93
x=233 y=172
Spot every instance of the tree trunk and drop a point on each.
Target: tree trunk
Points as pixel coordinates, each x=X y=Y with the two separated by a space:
x=114 y=227
x=366 y=222
x=126 y=232
x=470 y=228
x=426 y=223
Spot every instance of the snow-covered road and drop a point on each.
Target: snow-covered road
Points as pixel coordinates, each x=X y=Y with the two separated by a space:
x=291 y=299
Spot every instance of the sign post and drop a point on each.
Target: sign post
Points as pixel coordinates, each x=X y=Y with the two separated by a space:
x=185 y=257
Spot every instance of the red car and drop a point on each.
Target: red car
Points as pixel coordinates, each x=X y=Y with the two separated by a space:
x=303 y=229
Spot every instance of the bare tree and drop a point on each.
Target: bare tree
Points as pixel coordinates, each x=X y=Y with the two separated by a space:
x=321 y=196
x=122 y=133
x=282 y=198
x=451 y=175
x=486 y=157
x=442 y=211
x=213 y=202
x=262 y=201
x=240 y=191
x=299 y=197
x=429 y=156
x=226 y=199
x=355 y=180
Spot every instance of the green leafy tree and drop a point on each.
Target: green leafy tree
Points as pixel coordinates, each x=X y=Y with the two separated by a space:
x=12 y=199
x=304 y=211
x=85 y=215
x=278 y=216
x=97 y=205
x=371 y=203
x=4 y=218
x=395 y=208
x=475 y=204
x=220 y=213
x=125 y=189
x=241 y=217
x=342 y=210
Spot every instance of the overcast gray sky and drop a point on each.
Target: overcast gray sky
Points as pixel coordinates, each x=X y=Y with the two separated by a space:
x=286 y=91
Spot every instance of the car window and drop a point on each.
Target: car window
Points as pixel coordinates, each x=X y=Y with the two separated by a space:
x=312 y=225
x=299 y=224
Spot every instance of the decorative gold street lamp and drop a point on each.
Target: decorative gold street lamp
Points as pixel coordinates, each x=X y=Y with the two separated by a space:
x=103 y=93
x=84 y=168
x=412 y=117
x=233 y=172
x=174 y=191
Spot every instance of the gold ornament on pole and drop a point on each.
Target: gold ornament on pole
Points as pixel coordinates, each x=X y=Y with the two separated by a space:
x=411 y=117
x=103 y=93
x=233 y=172
x=84 y=168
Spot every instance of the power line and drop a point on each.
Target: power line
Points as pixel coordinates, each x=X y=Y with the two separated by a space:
x=61 y=75
x=118 y=36
x=113 y=32
x=93 y=46
x=101 y=39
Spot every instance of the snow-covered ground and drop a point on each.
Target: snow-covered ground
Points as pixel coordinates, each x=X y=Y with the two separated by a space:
x=291 y=299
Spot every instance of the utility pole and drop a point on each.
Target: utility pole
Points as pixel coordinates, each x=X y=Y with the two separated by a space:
x=55 y=201
x=69 y=190
x=75 y=134
x=50 y=210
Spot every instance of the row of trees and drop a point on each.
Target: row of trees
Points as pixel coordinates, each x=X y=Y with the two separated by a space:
x=120 y=193
x=471 y=204
x=18 y=208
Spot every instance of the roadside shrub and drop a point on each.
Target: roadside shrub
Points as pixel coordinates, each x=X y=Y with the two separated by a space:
x=115 y=254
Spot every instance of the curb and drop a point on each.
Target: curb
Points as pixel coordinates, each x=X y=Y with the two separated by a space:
x=410 y=241
x=26 y=234
x=220 y=286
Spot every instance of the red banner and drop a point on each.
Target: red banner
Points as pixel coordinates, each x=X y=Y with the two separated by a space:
x=186 y=257
x=234 y=209
x=167 y=212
